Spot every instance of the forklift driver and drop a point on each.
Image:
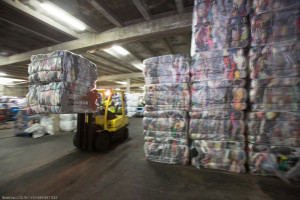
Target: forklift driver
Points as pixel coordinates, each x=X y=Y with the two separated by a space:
x=111 y=111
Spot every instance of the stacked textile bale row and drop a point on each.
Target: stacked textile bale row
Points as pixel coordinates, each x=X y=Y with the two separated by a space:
x=167 y=101
x=218 y=94
x=61 y=80
x=273 y=124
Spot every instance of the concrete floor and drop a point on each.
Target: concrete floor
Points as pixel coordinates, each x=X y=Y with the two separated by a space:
x=52 y=166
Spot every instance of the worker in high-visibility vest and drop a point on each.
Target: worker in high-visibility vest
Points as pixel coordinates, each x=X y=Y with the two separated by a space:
x=111 y=114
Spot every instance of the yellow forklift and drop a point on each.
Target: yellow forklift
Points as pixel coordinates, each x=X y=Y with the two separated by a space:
x=96 y=131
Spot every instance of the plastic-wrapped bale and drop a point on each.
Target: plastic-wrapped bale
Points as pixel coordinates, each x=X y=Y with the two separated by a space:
x=209 y=10
x=223 y=155
x=271 y=159
x=167 y=69
x=259 y=6
x=219 y=64
x=275 y=94
x=62 y=66
x=63 y=83
x=221 y=95
x=274 y=128
x=173 y=96
x=220 y=34
x=275 y=60
x=276 y=26
x=59 y=97
x=166 y=137
x=67 y=122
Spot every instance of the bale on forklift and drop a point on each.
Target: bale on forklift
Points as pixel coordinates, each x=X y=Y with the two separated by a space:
x=96 y=131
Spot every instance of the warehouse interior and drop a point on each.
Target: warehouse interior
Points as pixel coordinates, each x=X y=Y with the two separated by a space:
x=186 y=122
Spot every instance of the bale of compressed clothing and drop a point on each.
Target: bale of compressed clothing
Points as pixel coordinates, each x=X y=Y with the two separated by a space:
x=275 y=26
x=62 y=66
x=166 y=136
x=57 y=97
x=62 y=82
x=167 y=69
x=167 y=100
x=209 y=10
x=275 y=60
x=275 y=94
x=272 y=159
x=218 y=94
x=222 y=155
x=259 y=6
x=219 y=64
x=175 y=95
x=274 y=128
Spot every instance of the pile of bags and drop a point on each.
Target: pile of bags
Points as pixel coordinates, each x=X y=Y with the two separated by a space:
x=167 y=100
x=67 y=122
x=132 y=101
x=273 y=124
x=218 y=94
x=60 y=83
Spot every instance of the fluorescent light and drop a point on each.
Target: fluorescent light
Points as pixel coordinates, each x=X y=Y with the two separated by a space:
x=117 y=50
x=10 y=81
x=118 y=89
x=122 y=82
x=120 y=50
x=2 y=74
x=62 y=15
x=140 y=66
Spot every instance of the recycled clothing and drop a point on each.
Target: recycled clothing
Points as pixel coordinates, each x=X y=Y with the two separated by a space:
x=276 y=26
x=167 y=153
x=223 y=155
x=62 y=66
x=221 y=34
x=208 y=10
x=218 y=115
x=275 y=60
x=262 y=6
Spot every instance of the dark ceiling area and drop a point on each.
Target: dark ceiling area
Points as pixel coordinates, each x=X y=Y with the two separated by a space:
x=25 y=28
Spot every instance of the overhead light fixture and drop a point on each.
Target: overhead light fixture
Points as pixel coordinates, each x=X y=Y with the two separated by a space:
x=10 y=81
x=122 y=82
x=140 y=66
x=2 y=74
x=63 y=16
x=118 y=89
x=117 y=50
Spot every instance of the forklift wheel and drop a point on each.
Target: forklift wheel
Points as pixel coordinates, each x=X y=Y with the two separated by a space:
x=125 y=134
x=76 y=140
x=102 y=141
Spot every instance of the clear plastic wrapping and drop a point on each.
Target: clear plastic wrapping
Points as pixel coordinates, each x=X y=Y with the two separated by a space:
x=208 y=10
x=62 y=66
x=167 y=153
x=223 y=83
x=176 y=95
x=275 y=94
x=223 y=155
x=208 y=129
x=172 y=58
x=218 y=115
x=58 y=97
x=227 y=64
x=273 y=61
x=274 y=128
x=179 y=78
x=220 y=34
x=261 y=6
x=275 y=26
x=270 y=160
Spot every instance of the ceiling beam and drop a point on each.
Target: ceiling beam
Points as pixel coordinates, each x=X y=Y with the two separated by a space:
x=142 y=9
x=120 y=76
x=148 y=50
x=104 y=10
x=43 y=18
x=34 y=32
x=136 y=32
x=179 y=6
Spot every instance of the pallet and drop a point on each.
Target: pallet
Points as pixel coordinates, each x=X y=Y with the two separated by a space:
x=27 y=135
